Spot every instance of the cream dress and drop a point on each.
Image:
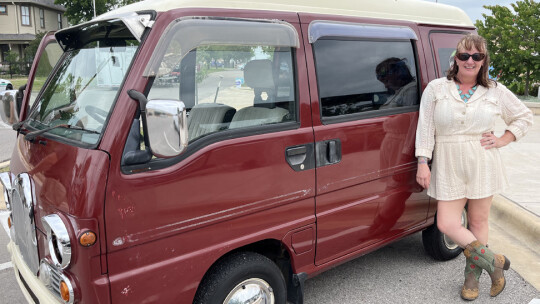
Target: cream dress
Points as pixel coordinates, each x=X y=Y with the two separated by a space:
x=449 y=132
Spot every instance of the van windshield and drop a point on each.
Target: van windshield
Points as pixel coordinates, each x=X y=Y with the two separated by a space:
x=83 y=89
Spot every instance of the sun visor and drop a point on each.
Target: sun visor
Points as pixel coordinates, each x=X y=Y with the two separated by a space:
x=186 y=34
x=320 y=29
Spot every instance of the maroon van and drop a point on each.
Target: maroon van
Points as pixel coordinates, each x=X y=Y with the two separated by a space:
x=282 y=146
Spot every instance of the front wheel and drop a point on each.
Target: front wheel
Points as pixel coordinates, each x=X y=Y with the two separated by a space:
x=243 y=277
x=438 y=245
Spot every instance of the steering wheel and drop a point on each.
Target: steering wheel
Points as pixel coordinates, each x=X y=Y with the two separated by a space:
x=97 y=113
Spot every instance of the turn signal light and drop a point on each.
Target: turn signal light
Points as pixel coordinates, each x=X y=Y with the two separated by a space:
x=9 y=222
x=64 y=291
x=87 y=239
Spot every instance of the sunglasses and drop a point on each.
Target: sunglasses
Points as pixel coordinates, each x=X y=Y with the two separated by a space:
x=475 y=56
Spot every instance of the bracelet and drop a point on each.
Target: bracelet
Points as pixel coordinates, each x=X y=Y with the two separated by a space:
x=422 y=160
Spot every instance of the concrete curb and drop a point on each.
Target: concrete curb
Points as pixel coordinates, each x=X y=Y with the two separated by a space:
x=524 y=224
x=2 y=203
x=534 y=106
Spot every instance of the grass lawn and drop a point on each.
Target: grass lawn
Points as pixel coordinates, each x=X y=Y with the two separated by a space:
x=19 y=81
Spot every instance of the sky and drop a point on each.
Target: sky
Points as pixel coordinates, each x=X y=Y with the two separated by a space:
x=474 y=8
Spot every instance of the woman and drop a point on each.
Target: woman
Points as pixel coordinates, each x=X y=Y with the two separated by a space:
x=455 y=129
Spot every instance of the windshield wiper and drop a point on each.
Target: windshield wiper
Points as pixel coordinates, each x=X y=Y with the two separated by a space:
x=32 y=135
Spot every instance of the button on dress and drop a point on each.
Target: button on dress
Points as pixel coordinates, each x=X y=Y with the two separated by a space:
x=449 y=132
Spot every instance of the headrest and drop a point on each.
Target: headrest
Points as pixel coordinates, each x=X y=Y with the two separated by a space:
x=258 y=74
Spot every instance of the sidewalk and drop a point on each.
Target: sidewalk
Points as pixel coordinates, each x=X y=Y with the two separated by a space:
x=522 y=162
x=515 y=216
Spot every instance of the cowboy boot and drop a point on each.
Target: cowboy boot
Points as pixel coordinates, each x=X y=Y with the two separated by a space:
x=469 y=291
x=493 y=263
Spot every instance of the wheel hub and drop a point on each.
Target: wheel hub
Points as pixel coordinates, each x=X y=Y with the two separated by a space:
x=251 y=291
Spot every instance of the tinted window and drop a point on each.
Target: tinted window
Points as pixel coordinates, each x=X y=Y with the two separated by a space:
x=357 y=76
x=446 y=57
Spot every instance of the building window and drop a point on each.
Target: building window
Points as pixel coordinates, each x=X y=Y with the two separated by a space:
x=25 y=15
x=59 y=21
x=3 y=9
x=42 y=18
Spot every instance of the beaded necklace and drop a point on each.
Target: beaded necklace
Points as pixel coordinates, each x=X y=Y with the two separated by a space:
x=465 y=97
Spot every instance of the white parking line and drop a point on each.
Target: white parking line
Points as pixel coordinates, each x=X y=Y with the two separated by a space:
x=6 y=266
x=3 y=219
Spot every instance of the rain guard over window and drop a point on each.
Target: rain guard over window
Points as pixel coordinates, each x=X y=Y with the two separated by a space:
x=189 y=33
x=330 y=29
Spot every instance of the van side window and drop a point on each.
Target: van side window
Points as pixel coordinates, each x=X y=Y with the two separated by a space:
x=357 y=76
x=228 y=87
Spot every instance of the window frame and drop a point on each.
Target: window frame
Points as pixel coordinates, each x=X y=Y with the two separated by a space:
x=5 y=9
x=375 y=33
x=59 y=19
x=23 y=16
x=42 y=18
x=202 y=142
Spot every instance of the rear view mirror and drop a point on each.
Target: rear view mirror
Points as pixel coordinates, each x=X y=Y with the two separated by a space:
x=9 y=109
x=167 y=127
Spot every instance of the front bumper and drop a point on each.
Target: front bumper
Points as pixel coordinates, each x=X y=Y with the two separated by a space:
x=31 y=287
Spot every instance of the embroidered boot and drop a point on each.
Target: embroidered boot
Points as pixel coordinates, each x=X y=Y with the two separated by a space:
x=469 y=291
x=493 y=263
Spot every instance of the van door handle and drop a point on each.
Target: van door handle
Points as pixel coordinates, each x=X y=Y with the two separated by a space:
x=300 y=158
x=328 y=152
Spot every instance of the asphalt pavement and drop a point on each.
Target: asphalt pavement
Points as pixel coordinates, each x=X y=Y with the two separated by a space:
x=7 y=141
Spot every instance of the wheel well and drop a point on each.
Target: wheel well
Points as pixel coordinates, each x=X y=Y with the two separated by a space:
x=270 y=248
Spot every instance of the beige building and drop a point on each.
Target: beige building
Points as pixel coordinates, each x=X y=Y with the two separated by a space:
x=21 y=20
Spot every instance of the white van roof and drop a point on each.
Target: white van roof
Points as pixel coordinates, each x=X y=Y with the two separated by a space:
x=407 y=10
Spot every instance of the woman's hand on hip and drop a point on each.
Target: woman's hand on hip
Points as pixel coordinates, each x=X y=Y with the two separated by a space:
x=423 y=175
x=489 y=140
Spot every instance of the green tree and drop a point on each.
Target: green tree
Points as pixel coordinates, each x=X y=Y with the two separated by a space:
x=31 y=49
x=12 y=58
x=513 y=40
x=78 y=11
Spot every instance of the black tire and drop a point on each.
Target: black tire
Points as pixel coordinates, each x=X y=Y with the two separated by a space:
x=235 y=269
x=9 y=87
x=438 y=245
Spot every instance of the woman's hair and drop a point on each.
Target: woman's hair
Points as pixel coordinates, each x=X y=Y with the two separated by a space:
x=396 y=66
x=467 y=43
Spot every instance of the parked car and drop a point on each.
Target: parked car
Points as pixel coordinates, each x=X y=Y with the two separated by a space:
x=5 y=85
x=117 y=195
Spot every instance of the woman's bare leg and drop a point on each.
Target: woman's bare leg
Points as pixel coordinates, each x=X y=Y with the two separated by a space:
x=478 y=212
x=449 y=221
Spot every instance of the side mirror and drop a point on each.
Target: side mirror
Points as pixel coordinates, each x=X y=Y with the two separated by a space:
x=167 y=127
x=9 y=109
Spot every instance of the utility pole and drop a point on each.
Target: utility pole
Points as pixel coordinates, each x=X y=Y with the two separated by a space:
x=94 y=8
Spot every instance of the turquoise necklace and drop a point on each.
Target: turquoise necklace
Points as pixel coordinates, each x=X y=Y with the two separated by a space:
x=465 y=97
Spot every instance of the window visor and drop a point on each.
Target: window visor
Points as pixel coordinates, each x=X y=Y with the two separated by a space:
x=326 y=29
x=188 y=33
